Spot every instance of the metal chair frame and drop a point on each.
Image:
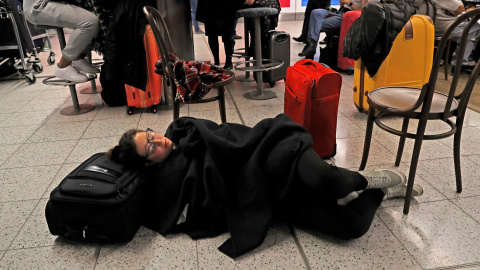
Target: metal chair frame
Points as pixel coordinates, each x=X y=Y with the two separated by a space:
x=164 y=43
x=455 y=104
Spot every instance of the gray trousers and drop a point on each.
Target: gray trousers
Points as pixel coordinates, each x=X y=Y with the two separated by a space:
x=456 y=35
x=84 y=23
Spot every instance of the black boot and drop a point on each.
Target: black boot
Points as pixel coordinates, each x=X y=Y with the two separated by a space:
x=300 y=39
x=310 y=49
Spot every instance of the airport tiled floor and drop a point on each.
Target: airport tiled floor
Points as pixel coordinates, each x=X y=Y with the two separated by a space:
x=38 y=147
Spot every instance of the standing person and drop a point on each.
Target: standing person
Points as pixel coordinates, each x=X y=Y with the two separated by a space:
x=235 y=35
x=207 y=178
x=311 y=5
x=322 y=20
x=219 y=19
x=85 y=25
x=196 y=28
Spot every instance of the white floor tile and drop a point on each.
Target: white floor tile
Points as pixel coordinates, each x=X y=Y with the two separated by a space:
x=437 y=234
x=52 y=257
x=278 y=251
x=12 y=217
x=172 y=252
x=27 y=183
x=38 y=154
x=378 y=249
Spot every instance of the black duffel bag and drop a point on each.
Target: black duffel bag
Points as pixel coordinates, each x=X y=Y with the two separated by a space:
x=100 y=201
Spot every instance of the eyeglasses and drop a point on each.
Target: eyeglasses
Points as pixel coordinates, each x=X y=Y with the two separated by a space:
x=150 y=146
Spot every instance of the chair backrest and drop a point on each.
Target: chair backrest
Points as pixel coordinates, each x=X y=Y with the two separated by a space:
x=164 y=43
x=471 y=19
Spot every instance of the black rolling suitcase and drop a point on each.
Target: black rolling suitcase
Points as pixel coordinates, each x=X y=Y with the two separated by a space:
x=277 y=47
x=99 y=201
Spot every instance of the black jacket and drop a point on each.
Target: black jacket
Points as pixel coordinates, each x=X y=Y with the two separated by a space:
x=231 y=177
x=125 y=58
x=371 y=36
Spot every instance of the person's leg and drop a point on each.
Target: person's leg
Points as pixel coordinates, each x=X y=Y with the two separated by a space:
x=332 y=23
x=311 y=5
x=85 y=27
x=346 y=222
x=470 y=45
x=316 y=21
x=329 y=182
x=235 y=35
x=228 y=44
x=193 y=5
x=213 y=44
x=84 y=23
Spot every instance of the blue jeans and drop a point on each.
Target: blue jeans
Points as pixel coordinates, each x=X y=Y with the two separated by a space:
x=320 y=23
x=193 y=5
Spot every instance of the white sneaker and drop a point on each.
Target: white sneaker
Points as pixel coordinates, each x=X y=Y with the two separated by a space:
x=70 y=73
x=83 y=65
x=401 y=191
x=384 y=178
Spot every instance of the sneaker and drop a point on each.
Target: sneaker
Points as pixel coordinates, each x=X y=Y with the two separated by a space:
x=384 y=178
x=199 y=32
x=83 y=65
x=237 y=36
x=70 y=73
x=401 y=191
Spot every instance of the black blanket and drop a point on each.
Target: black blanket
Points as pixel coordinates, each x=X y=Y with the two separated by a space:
x=226 y=177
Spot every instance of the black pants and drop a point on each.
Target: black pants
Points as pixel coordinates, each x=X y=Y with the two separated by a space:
x=228 y=44
x=314 y=203
x=311 y=5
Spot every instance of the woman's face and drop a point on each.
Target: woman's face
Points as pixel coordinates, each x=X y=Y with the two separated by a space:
x=156 y=148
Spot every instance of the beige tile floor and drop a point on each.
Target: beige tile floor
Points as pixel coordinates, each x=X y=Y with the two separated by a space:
x=38 y=147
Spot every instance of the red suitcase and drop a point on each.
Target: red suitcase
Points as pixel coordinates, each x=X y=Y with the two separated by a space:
x=344 y=63
x=150 y=98
x=312 y=93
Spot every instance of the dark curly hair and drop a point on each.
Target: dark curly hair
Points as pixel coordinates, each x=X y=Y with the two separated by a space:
x=126 y=151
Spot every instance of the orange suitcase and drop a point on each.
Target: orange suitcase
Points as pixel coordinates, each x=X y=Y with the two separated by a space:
x=150 y=98
x=408 y=64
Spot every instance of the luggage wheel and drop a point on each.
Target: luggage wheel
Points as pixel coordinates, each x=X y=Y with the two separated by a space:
x=154 y=108
x=130 y=110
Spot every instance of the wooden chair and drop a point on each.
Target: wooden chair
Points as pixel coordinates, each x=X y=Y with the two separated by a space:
x=164 y=43
x=431 y=8
x=425 y=105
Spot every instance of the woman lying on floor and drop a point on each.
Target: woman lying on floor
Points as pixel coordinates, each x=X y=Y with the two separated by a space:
x=210 y=178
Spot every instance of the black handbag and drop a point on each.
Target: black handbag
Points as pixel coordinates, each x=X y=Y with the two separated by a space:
x=100 y=201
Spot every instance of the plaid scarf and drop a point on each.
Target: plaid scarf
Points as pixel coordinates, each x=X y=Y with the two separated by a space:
x=193 y=79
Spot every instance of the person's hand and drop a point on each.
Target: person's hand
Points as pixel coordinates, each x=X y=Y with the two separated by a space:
x=249 y=2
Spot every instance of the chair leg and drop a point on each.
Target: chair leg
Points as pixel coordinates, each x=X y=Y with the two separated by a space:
x=413 y=165
x=368 y=138
x=176 y=110
x=456 y=155
x=401 y=144
x=221 y=104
